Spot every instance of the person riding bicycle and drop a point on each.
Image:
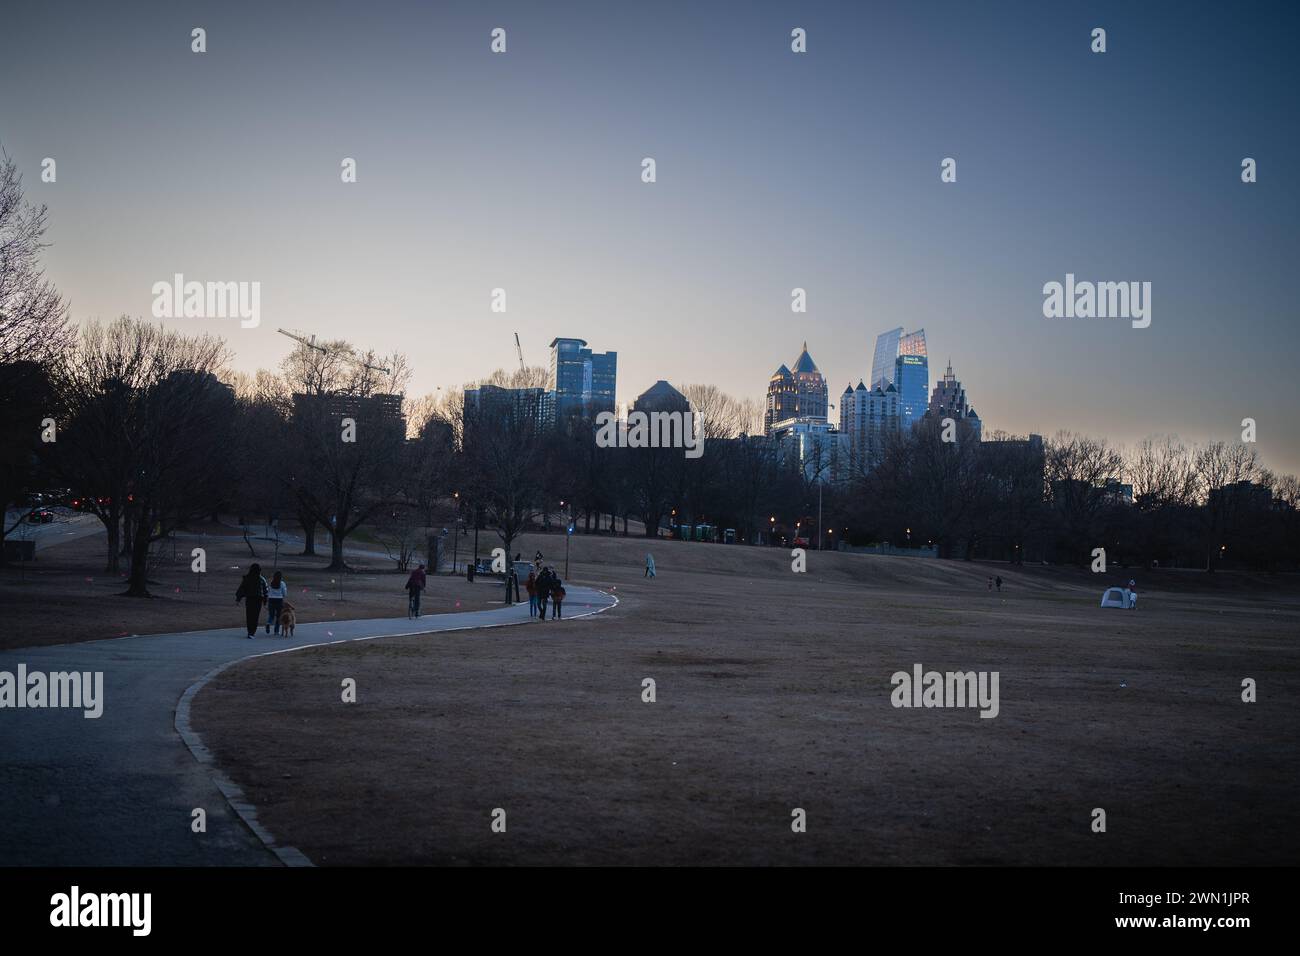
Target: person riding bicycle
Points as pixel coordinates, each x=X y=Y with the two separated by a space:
x=415 y=584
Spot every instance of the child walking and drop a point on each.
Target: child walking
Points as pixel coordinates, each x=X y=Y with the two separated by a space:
x=276 y=592
x=557 y=597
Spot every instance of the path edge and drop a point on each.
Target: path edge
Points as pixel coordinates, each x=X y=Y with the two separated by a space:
x=234 y=795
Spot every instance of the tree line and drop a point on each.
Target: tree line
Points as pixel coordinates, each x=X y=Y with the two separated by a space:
x=150 y=430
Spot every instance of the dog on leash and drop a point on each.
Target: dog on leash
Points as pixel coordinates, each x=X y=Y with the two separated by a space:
x=287 y=620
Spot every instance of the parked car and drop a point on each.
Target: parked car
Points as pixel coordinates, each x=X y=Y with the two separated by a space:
x=40 y=516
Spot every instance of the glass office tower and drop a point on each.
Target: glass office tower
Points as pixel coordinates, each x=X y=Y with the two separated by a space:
x=882 y=365
x=912 y=379
x=581 y=382
x=889 y=346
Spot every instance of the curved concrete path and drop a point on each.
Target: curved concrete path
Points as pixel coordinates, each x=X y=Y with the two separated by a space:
x=119 y=790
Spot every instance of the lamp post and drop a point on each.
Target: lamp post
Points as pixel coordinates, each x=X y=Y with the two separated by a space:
x=568 y=534
x=455 y=545
x=476 y=535
x=819 y=514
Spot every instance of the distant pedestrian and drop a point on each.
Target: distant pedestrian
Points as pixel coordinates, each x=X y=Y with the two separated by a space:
x=543 y=592
x=414 y=585
x=530 y=586
x=1132 y=592
x=990 y=582
x=557 y=597
x=512 y=580
x=999 y=583
x=276 y=592
x=252 y=591
x=649 y=565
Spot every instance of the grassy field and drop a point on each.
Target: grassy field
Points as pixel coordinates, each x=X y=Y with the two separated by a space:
x=65 y=596
x=773 y=693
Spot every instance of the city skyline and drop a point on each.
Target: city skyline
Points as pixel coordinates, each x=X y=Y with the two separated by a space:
x=776 y=172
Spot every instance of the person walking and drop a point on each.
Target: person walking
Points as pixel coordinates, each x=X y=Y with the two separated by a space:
x=990 y=582
x=414 y=585
x=543 y=591
x=649 y=565
x=252 y=591
x=276 y=592
x=998 y=582
x=530 y=586
x=557 y=597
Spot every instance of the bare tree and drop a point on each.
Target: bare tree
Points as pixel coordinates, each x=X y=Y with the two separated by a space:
x=1077 y=470
x=1225 y=473
x=33 y=316
x=505 y=467
x=347 y=432
x=530 y=376
x=25 y=402
x=147 y=429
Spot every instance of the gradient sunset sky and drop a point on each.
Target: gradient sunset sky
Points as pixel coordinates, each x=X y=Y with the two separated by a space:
x=775 y=170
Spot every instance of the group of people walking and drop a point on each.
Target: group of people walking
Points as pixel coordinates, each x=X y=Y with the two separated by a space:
x=255 y=591
x=544 y=584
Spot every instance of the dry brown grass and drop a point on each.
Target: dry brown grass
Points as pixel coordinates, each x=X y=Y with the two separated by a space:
x=773 y=693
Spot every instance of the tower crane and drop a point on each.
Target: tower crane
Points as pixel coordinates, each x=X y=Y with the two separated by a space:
x=310 y=341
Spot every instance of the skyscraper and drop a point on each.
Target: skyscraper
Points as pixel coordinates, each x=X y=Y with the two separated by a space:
x=901 y=360
x=948 y=400
x=868 y=418
x=581 y=382
x=889 y=346
x=801 y=393
x=912 y=379
x=782 y=398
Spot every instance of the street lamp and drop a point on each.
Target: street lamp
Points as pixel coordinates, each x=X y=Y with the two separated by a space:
x=455 y=545
x=568 y=534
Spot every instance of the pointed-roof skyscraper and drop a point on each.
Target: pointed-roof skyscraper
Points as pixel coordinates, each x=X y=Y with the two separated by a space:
x=801 y=393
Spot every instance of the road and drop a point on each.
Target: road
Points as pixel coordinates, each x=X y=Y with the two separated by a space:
x=66 y=526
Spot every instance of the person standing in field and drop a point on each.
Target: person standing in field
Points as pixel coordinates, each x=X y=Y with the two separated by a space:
x=276 y=592
x=999 y=583
x=252 y=591
x=649 y=565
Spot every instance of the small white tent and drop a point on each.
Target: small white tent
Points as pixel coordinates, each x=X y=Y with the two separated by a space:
x=1115 y=597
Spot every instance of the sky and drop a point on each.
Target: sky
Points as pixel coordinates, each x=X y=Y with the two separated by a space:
x=775 y=170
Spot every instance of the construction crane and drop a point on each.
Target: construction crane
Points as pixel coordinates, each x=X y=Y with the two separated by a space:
x=303 y=338
x=310 y=341
x=520 y=349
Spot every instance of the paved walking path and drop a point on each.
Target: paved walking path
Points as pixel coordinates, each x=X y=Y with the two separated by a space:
x=119 y=789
